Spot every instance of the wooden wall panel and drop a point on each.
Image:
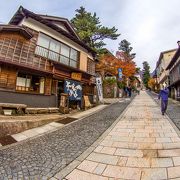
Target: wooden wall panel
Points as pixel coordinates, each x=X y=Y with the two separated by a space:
x=7 y=78
x=83 y=61
x=48 y=82
x=14 y=48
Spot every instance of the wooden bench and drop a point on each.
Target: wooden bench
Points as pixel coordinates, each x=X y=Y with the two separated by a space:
x=18 y=108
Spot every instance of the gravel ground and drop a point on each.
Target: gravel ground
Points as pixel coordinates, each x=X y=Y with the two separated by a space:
x=44 y=156
x=173 y=110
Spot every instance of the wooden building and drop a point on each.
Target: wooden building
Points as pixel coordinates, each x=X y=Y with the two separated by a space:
x=174 y=75
x=38 y=56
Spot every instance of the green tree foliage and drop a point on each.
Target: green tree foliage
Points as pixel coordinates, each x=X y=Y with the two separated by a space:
x=138 y=69
x=90 y=30
x=125 y=47
x=146 y=73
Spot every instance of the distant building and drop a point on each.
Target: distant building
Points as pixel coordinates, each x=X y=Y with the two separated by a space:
x=174 y=75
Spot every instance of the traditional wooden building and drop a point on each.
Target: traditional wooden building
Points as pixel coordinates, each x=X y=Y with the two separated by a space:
x=174 y=75
x=41 y=57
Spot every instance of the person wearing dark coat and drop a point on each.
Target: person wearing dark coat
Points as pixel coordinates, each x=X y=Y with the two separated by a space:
x=164 y=93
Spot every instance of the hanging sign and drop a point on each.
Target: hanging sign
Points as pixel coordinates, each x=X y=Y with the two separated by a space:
x=76 y=76
x=73 y=89
x=120 y=73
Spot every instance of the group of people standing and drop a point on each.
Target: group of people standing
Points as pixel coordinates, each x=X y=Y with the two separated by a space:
x=128 y=91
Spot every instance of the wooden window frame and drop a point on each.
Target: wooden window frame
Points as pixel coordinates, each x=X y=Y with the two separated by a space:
x=58 y=53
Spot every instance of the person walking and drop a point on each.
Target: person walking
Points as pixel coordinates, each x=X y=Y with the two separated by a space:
x=129 y=91
x=163 y=95
x=126 y=91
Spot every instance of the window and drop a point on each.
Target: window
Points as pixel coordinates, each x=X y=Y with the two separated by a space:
x=23 y=82
x=65 y=50
x=43 y=45
x=74 y=58
x=30 y=83
x=91 y=66
x=73 y=63
x=74 y=54
x=64 y=60
x=54 y=50
x=57 y=51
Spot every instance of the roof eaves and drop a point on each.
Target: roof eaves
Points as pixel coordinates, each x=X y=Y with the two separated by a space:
x=18 y=29
x=174 y=58
x=63 y=20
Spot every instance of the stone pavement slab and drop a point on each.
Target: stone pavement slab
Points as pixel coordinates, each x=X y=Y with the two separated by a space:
x=143 y=145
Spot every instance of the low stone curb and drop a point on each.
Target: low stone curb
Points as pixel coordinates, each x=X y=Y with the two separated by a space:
x=69 y=168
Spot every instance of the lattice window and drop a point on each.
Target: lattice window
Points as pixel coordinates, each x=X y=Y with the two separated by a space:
x=91 y=66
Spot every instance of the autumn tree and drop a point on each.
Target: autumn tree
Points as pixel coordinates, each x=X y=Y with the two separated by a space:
x=111 y=64
x=128 y=67
x=146 y=73
x=90 y=29
x=107 y=64
x=151 y=83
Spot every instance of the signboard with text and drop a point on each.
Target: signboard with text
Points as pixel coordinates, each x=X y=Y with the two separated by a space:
x=76 y=76
x=73 y=89
x=120 y=73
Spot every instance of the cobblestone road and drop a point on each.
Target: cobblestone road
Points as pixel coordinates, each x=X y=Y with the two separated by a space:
x=44 y=156
x=173 y=110
x=143 y=145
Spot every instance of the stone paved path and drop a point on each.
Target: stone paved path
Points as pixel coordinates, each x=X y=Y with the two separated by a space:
x=143 y=145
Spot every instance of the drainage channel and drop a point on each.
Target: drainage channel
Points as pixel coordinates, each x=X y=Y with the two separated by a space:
x=67 y=120
x=6 y=140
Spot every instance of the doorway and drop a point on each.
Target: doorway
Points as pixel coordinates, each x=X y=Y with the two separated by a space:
x=60 y=90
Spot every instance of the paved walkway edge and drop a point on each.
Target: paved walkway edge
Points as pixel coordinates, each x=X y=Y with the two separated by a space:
x=69 y=168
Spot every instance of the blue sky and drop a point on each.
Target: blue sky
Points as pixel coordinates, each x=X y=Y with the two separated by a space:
x=152 y=26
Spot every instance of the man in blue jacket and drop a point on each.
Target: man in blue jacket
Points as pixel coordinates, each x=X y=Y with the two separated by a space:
x=164 y=99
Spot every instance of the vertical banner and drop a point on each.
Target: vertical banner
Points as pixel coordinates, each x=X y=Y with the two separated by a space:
x=120 y=73
x=99 y=88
